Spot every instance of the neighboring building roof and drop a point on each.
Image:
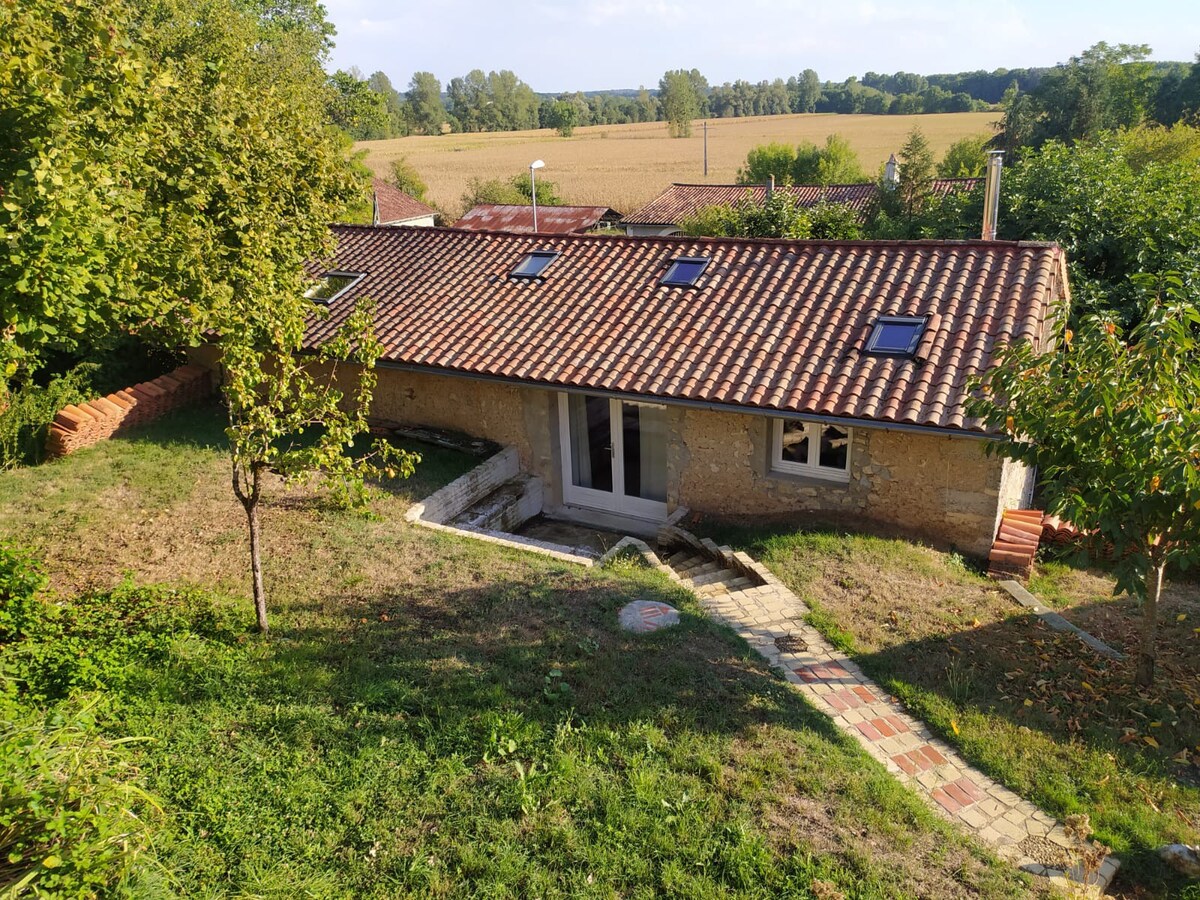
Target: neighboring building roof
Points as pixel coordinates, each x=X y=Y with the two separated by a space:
x=770 y=325
x=679 y=201
x=395 y=207
x=551 y=219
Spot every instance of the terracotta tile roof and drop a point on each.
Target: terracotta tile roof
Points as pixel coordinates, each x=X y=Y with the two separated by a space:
x=395 y=206
x=551 y=219
x=770 y=325
x=679 y=201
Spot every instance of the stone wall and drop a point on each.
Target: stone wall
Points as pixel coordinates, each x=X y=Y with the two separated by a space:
x=941 y=488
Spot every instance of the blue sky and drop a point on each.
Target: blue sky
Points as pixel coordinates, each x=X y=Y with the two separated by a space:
x=597 y=44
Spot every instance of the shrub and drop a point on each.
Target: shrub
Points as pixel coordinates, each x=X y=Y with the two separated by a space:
x=67 y=821
x=21 y=581
x=31 y=408
x=97 y=641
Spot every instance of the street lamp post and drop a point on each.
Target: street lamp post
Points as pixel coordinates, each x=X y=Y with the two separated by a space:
x=533 y=167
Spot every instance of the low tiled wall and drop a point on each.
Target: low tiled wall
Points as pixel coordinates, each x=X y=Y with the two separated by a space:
x=97 y=420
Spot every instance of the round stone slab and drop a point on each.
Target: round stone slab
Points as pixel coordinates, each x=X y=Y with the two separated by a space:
x=644 y=616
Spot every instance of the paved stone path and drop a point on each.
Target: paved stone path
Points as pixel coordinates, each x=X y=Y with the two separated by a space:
x=771 y=619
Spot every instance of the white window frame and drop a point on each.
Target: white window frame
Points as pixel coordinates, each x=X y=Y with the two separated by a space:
x=333 y=273
x=813 y=468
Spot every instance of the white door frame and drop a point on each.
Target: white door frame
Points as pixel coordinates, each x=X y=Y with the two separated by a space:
x=617 y=500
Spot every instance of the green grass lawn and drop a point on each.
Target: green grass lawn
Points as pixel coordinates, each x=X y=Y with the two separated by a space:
x=439 y=717
x=1034 y=709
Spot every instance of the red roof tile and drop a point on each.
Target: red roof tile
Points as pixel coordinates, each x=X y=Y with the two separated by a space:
x=679 y=201
x=395 y=206
x=771 y=325
x=551 y=219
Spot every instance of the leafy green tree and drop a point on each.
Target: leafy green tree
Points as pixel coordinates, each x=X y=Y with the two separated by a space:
x=563 y=117
x=1112 y=421
x=404 y=175
x=766 y=161
x=681 y=98
x=807 y=92
x=79 y=109
x=241 y=213
x=1105 y=87
x=425 y=103
x=965 y=158
x=834 y=163
x=354 y=107
x=514 y=191
x=394 y=104
x=779 y=216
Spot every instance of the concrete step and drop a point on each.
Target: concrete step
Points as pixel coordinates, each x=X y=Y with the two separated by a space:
x=687 y=562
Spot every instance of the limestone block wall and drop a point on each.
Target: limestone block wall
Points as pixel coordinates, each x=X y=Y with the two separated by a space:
x=942 y=488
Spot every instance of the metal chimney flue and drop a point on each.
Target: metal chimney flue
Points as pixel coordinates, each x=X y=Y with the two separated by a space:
x=991 y=194
x=770 y=186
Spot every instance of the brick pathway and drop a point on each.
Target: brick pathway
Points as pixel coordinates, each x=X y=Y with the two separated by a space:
x=771 y=618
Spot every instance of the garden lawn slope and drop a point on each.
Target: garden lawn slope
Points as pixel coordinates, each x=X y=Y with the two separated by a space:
x=437 y=717
x=1036 y=709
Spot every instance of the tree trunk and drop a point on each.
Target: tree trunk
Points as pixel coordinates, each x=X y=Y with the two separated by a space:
x=1146 y=653
x=249 y=499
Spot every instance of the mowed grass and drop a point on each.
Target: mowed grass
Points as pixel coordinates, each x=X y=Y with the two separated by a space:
x=436 y=717
x=625 y=166
x=1035 y=709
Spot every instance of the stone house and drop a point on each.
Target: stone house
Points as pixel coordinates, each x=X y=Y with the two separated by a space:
x=738 y=378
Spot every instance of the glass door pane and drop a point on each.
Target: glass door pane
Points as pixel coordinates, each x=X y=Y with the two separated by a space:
x=644 y=436
x=591 y=442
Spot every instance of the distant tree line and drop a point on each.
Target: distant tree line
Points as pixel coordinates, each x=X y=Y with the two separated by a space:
x=372 y=107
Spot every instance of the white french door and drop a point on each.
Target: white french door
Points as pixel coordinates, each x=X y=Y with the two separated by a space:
x=614 y=455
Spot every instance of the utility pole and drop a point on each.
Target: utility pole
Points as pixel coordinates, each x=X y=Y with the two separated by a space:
x=706 y=148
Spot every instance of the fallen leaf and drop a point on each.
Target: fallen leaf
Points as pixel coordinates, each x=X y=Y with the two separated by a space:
x=1149 y=740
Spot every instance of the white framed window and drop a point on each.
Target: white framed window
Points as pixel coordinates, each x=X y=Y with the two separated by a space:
x=815 y=449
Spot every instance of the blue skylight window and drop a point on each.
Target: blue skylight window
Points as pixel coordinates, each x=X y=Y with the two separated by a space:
x=534 y=264
x=896 y=335
x=332 y=285
x=685 y=271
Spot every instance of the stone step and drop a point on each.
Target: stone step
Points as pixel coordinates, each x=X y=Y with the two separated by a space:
x=687 y=562
x=696 y=571
x=739 y=583
x=676 y=559
x=725 y=586
x=717 y=575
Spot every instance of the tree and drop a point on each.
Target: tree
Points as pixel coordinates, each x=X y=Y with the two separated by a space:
x=289 y=415
x=394 y=104
x=765 y=161
x=249 y=177
x=965 y=158
x=563 y=117
x=835 y=163
x=514 y=191
x=425 y=103
x=1103 y=88
x=80 y=106
x=807 y=92
x=404 y=175
x=1112 y=421
x=681 y=101
x=779 y=216
x=353 y=107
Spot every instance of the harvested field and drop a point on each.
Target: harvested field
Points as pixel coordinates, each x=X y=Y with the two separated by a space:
x=624 y=166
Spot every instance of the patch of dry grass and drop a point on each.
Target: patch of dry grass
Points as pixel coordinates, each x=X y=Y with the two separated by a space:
x=624 y=166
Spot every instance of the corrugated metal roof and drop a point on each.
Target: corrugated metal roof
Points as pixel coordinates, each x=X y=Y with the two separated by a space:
x=771 y=325
x=551 y=219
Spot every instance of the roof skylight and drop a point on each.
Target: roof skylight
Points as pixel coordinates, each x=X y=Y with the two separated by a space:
x=896 y=335
x=685 y=271
x=533 y=264
x=332 y=285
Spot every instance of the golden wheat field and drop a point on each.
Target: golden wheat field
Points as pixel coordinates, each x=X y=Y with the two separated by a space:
x=624 y=166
